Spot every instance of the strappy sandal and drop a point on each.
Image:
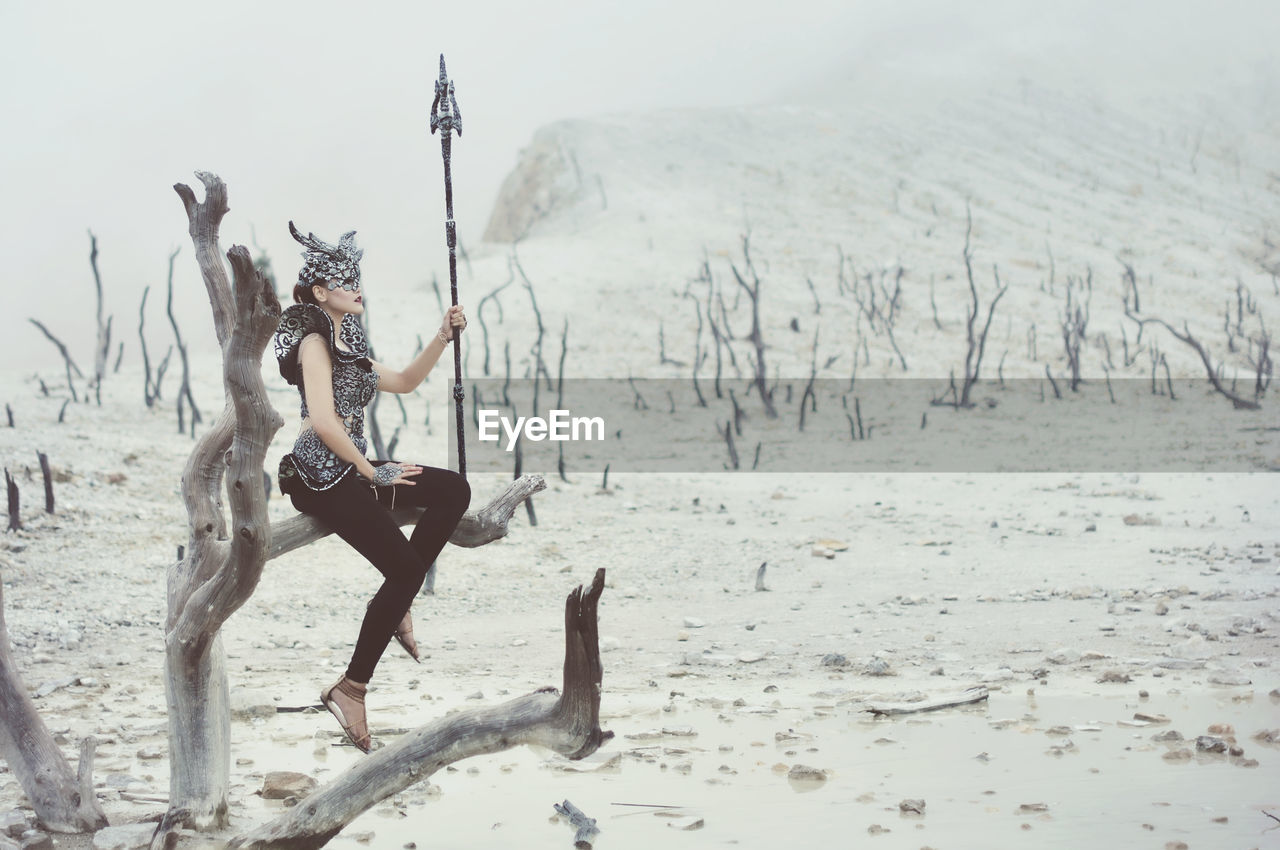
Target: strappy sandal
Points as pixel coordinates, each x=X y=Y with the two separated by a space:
x=404 y=635
x=364 y=742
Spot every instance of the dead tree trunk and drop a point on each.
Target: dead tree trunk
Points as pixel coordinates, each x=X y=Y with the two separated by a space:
x=184 y=391
x=757 y=339
x=66 y=358
x=977 y=339
x=103 y=347
x=568 y=723
x=64 y=801
x=15 y=511
x=219 y=573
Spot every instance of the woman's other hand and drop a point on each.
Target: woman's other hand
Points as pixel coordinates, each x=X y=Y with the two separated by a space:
x=393 y=472
x=453 y=318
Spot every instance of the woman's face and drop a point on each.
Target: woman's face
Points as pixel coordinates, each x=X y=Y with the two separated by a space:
x=340 y=299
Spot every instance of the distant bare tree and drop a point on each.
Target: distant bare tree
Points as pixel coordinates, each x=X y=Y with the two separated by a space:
x=977 y=339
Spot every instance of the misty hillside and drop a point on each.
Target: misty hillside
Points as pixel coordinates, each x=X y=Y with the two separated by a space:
x=613 y=218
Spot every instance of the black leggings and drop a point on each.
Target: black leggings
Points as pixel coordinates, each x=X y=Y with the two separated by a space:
x=360 y=516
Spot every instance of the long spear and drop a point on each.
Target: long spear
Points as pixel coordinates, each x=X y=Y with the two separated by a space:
x=446 y=117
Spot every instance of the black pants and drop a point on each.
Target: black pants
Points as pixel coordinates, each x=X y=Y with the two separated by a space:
x=360 y=516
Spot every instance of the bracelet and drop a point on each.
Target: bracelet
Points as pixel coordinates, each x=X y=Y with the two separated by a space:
x=444 y=339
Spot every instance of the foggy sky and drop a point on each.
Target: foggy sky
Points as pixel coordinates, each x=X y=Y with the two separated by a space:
x=317 y=111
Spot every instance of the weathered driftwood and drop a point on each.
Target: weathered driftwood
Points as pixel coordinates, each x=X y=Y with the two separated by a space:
x=476 y=528
x=568 y=723
x=585 y=827
x=63 y=801
x=220 y=571
x=970 y=695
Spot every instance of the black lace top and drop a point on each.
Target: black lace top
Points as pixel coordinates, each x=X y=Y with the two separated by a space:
x=311 y=464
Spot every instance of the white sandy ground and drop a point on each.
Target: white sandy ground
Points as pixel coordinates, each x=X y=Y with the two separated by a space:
x=1022 y=582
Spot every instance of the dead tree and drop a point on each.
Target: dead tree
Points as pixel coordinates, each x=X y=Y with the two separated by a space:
x=64 y=800
x=757 y=339
x=150 y=385
x=809 y=399
x=567 y=722
x=66 y=358
x=697 y=352
x=1239 y=402
x=47 y=474
x=977 y=340
x=15 y=502
x=103 y=347
x=184 y=391
x=1074 y=324
x=223 y=561
x=492 y=296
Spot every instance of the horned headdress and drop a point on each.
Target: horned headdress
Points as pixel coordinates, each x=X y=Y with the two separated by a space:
x=328 y=265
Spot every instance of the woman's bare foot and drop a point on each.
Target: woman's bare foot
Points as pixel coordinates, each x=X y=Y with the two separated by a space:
x=345 y=701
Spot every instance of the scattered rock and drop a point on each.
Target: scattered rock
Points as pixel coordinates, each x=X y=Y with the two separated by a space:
x=13 y=823
x=1063 y=656
x=1134 y=519
x=823 y=552
x=1267 y=736
x=833 y=545
x=834 y=659
x=687 y=824
x=804 y=773
x=131 y=836
x=1032 y=808
x=1114 y=677
x=877 y=667
x=749 y=657
x=280 y=784
x=693 y=623
x=1229 y=679
x=1210 y=744
x=912 y=806
x=34 y=839
x=1170 y=735
x=877 y=829
x=1225 y=729
x=1150 y=718
x=1178 y=755
x=1162 y=608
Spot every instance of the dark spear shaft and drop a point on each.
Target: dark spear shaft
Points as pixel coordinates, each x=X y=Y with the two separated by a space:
x=446 y=116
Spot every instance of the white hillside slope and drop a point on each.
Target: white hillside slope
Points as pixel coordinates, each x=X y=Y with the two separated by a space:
x=613 y=216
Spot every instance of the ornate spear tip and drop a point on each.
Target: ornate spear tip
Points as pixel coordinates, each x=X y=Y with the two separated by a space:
x=443 y=75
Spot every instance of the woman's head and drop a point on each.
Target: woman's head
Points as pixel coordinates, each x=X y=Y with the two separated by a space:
x=330 y=274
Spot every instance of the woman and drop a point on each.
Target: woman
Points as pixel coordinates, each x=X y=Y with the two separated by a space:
x=322 y=351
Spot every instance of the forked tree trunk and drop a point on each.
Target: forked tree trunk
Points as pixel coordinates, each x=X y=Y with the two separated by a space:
x=220 y=570
x=63 y=801
x=568 y=723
